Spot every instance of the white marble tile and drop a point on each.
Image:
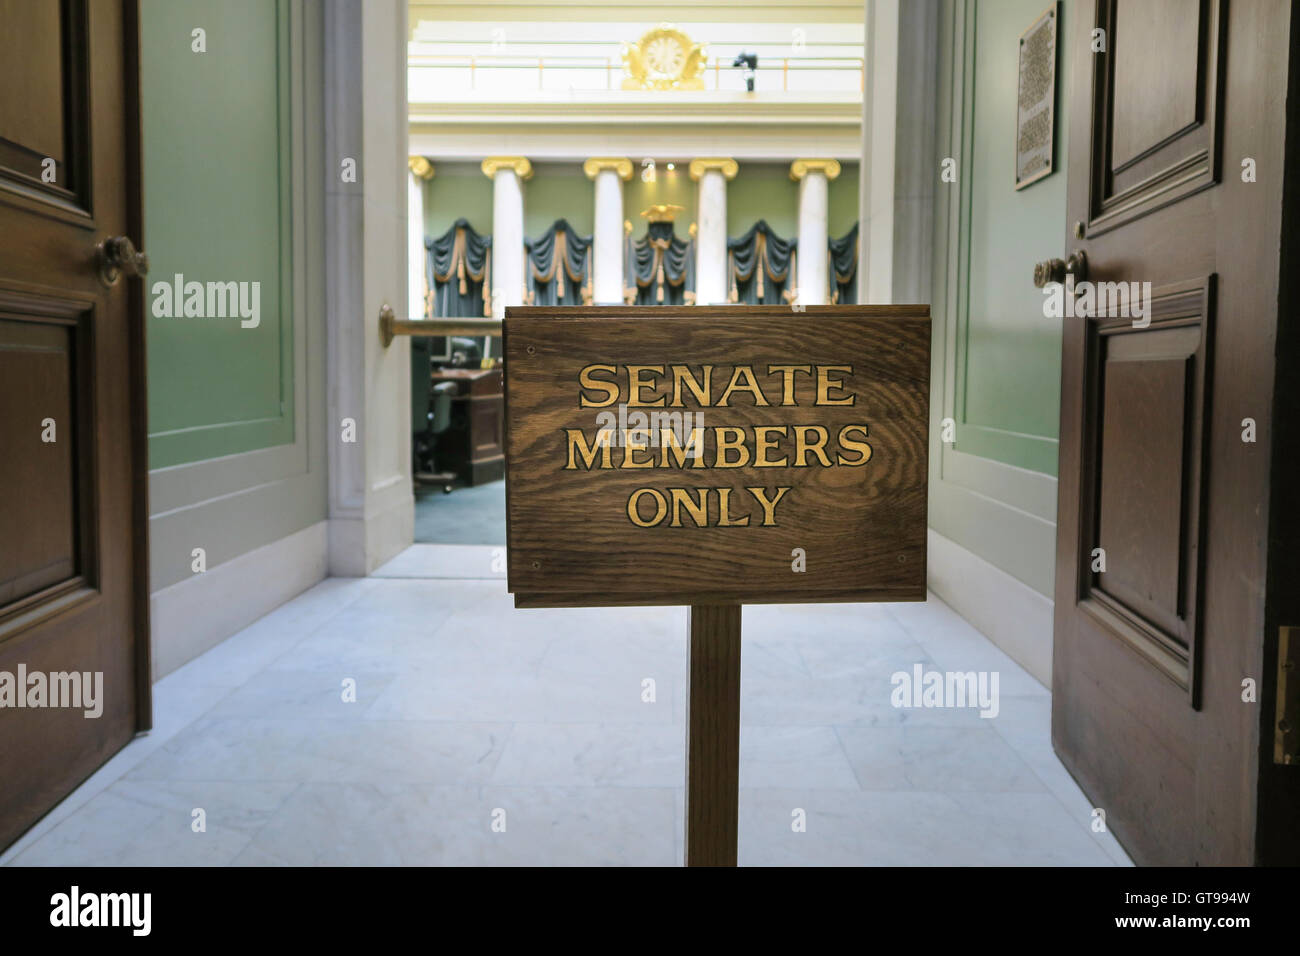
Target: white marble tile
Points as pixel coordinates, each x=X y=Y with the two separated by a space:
x=774 y=756
x=359 y=641
x=466 y=704
x=330 y=694
x=854 y=828
x=1029 y=829
x=811 y=701
x=252 y=749
x=845 y=828
x=242 y=655
x=398 y=825
x=152 y=823
x=1025 y=723
x=593 y=755
x=175 y=707
x=456 y=561
x=548 y=697
x=890 y=649
x=957 y=647
x=939 y=759
x=774 y=658
x=416 y=598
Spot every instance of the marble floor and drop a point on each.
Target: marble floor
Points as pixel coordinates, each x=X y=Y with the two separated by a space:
x=415 y=717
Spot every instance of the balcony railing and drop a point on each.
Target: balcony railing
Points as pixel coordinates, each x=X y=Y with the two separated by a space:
x=513 y=74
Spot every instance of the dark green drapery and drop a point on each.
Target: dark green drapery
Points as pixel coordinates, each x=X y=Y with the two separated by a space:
x=761 y=267
x=844 y=268
x=661 y=267
x=558 y=270
x=458 y=268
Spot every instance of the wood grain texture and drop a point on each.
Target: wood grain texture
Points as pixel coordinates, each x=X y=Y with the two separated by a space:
x=862 y=528
x=713 y=736
x=1181 y=784
x=76 y=594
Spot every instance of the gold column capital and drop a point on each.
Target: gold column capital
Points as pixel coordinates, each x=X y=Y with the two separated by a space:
x=802 y=167
x=520 y=164
x=724 y=164
x=620 y=164
x=420 y=167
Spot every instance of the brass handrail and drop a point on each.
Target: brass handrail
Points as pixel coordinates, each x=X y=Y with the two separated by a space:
x=390 y=326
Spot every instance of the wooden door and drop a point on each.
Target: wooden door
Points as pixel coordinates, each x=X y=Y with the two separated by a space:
x=73 y=578
x=1163 y=510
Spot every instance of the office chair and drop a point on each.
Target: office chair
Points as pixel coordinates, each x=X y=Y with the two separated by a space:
x=438 y=418
x=430 y=417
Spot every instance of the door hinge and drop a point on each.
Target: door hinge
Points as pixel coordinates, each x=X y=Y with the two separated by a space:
x=1286 y=726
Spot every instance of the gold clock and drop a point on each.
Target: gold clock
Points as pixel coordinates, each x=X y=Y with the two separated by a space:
x=664 y=59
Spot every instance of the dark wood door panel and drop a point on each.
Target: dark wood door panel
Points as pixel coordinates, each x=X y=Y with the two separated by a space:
x=73 y=546
x=1149 y=711
x=44 y=123
x=1149 y=801
x=1142 y=476
x=50 y=750
x=38 y=457
x=1156 y=107
x=1140 y=499
x=1155 y=47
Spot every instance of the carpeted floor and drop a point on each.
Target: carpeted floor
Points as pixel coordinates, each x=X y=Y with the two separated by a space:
x=466 y=516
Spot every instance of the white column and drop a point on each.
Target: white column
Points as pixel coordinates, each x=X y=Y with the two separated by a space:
x=507 y=174
x=367 y=428
x=421 y=171
x=609 y=173
x=711 y=242
x=813 y=278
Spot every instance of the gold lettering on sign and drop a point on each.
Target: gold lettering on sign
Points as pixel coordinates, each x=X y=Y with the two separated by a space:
x=726 y=447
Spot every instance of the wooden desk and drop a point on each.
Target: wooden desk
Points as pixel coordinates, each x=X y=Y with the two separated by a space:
x=473 y=445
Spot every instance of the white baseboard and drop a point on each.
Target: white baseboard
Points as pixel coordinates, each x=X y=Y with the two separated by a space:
x=1004 y=609
x=191 y=616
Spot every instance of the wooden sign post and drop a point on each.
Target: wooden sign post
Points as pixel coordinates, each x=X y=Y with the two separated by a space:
x=716 y=456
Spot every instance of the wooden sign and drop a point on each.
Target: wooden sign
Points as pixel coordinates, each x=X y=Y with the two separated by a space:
x=716 y=455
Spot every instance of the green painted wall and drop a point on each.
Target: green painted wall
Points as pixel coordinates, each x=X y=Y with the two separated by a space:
x=759 y=191
x=763 y=191
x=457 y=190
x=216 y=152
x=996 y=358
x=843 y=199
x=670 y=186
x=766 y=191
x=234 y=182
x=1008 y=386
x=559 y=190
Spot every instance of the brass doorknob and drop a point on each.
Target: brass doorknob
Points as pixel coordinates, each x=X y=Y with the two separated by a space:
x=1055 y=270
x=118 y=255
